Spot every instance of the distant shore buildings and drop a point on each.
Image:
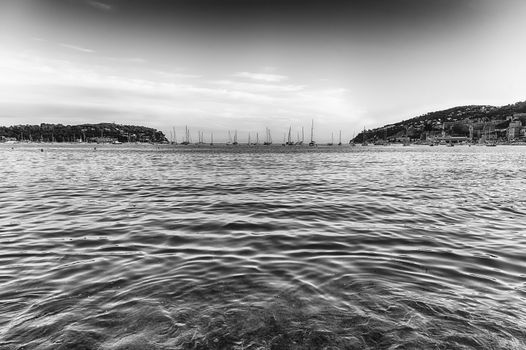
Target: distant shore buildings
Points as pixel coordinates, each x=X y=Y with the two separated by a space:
x=448 y=129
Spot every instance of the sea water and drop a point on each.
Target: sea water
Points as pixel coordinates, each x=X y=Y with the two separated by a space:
x=172 y=247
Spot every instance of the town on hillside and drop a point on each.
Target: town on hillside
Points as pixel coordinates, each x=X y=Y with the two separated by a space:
x=467 y=124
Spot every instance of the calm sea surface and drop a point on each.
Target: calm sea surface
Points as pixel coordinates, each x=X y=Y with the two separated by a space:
x=151 y=247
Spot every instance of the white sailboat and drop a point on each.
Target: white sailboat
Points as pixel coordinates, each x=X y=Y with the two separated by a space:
x=312 y=143
x=300 y=141
x=289 y=138
x=200 y=137
x=332 y=140
x=268 y=138
x=186 y=140
x=174 y=140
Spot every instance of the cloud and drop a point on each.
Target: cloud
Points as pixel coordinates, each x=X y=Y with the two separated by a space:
x=138 y=60
x=175 y=75
x=26 y=71
x=273 y=78
x=40 y=89
x=258 y=87
x=77 y=48
x=100 y=5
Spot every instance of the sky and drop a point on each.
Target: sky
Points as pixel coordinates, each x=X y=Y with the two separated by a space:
x=219 y=65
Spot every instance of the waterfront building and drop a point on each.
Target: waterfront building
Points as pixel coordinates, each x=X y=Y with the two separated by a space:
x=514 y=130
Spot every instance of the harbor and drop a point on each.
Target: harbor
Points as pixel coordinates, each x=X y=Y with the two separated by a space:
x=262 y=175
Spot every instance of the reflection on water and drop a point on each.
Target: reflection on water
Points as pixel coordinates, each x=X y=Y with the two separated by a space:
x=151 y=247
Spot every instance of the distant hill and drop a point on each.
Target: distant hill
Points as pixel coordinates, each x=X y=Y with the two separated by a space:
x=457 y=120
x=102 y=132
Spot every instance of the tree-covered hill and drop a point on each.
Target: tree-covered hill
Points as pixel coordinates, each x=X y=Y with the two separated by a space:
x=102 y=132
x=457 y=120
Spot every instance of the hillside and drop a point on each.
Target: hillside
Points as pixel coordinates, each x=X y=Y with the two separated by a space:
x=102 y=132
x=456 y=120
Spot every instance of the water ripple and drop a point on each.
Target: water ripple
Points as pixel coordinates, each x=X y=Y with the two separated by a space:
x=156 y=247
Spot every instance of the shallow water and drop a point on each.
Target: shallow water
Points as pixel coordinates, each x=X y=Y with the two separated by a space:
x=151 y=247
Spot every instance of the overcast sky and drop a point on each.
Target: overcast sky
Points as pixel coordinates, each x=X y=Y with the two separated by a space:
x=216 y=65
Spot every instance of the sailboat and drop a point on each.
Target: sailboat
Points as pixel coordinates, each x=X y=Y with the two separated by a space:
x=200 y=138
x=340 y=141
x=186 y=137
x=312 y=143
x=235 y=138
x=268 y=138
x=300 y=142
x=332 y=140
x=174 y=140
x=229 y=142
x=289 y=138
x=211 y=139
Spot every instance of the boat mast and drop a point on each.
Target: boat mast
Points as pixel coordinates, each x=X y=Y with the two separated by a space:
x=186 y=139
x=268 y=137
x=311 y=143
